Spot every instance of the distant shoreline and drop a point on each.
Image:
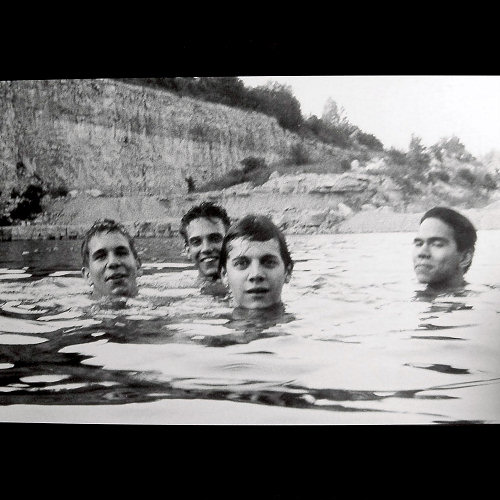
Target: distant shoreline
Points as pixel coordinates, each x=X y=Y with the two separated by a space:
x=382 y=220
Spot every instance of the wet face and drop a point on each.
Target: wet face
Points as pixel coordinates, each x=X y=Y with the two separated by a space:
x=436 y=258
x=112 y=267
x=204 y=242
x=255 y=272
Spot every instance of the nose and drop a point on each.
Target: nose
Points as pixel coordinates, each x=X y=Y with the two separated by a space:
x=423 y=251
x=256 y=274
x=113 y=260
x=206 y=246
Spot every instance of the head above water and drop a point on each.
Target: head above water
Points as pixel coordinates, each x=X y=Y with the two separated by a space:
x=463 y=230
x=110 y=260
x=256 y=228
x=203 y=228
x=444 y=248
x=255 y=262
x=205 y=210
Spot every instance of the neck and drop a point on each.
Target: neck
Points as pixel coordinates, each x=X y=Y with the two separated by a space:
x=457 y=281
x=202 y=278
x=265 y=313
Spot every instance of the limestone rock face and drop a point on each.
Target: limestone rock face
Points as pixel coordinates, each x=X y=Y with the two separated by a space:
x=318 y=183
x=123 y=139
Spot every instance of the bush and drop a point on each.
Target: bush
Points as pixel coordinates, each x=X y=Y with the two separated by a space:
x=29 y=205
x=488 y=182
x=337 y=135
x=370 y=141
x=299 y=155
x=345 y=165
x=252 y=163
x=466 y=175
x=59 y=191
x=438 y=175
x=397 y=156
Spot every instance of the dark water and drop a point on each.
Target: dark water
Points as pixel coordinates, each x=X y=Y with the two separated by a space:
x=43 y=257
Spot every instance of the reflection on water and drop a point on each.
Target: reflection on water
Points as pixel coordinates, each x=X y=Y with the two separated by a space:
x=358 y=340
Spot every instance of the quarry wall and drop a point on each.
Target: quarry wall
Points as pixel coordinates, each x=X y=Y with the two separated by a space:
x=124 y=139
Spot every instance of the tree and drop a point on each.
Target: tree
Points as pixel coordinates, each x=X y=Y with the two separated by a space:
x=275 y=99
x=453 y=148
x=418 y=158
x=335 y=114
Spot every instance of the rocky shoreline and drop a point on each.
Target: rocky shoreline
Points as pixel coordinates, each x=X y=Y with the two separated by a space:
x=352 y=202
x=379 y=220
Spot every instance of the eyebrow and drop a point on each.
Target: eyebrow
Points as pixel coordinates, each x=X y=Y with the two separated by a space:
x=208 y=236
x=262 y=257
x=432 y=239
x=101 y=250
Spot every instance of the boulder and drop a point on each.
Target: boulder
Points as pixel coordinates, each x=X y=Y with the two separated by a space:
x=315 y=218
x=343 y=210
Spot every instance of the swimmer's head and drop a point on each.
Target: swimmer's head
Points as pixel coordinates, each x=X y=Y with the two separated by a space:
x=110 y=260
x=255 y=262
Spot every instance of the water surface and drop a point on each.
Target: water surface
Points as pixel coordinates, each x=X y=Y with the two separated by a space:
x=358 y=343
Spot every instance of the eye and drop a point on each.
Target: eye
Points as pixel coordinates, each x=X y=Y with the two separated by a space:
x=122 y=252
x=438 y=244
x=417 y=243
x=99 y=256
x=240 y=263
x=270 y=261
x=195 y=242
x=215 y=238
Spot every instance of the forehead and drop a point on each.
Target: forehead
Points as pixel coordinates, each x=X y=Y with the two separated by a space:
x=436 y=228
x=250 y=248
x=203 y=226
x=105 y=240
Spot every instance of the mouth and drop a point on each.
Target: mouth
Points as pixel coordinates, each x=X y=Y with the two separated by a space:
x=209 y=260
x=116 y=277
x=257 y=291
x=424 y=267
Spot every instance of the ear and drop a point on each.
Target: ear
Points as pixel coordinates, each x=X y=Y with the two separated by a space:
x=466 y=258
x=139 y=266
x=86 y=275
x=288 y=274
x=223 y=277
x=186 y=251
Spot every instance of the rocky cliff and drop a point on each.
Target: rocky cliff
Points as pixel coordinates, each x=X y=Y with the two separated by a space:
x=127 y=140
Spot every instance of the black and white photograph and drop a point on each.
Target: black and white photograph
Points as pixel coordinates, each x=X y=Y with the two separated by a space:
x=250 y=250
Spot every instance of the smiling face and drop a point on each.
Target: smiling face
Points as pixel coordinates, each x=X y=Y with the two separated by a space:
x=255 y=272
x=436 y=258
x=112 y=267
x=204 y=241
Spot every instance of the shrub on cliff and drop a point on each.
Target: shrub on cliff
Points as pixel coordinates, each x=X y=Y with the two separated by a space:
x=369 y=140
x=28 y=204
x=466 y=176
x=326 y=132
x=299 y=155
x=488 y=182
x=438 y=175
x=252 y=163
x=276 y=100
x=397 y=156
x=256 y=174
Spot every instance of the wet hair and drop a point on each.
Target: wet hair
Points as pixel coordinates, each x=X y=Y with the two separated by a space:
x=105 y=226
x=464 y=232
x=207 y=210
x=255 y=228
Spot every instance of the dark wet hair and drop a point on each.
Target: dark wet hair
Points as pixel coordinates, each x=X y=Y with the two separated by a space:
x=255 y=228
x=105 y=226
x=464 y=232
x=207 y=210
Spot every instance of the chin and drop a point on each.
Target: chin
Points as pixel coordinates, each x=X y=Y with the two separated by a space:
x=211 y=274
